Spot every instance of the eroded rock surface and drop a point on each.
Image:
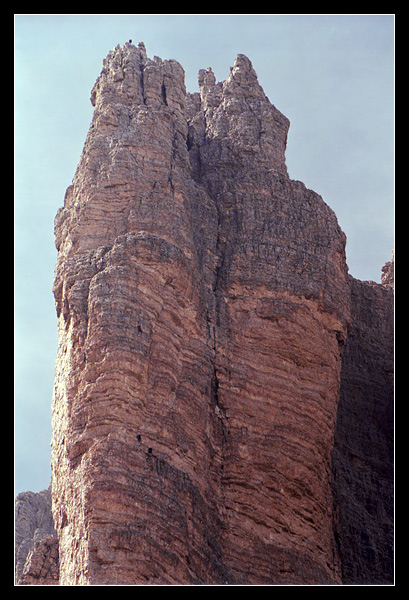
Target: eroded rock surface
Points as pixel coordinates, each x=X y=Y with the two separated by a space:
x=33 y=522
x=42 y=563
x=203 y=302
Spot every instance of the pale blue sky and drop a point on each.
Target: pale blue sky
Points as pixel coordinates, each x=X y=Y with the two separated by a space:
x=332 y=76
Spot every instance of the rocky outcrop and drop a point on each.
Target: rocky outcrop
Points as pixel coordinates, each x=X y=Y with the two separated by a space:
x=33 y=523
x=203 y=303
x=42 y=564
x=388 y=273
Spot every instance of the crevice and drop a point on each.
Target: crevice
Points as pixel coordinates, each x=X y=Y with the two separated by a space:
x=189 y=139
x=215 y=323
x=164 y=94
x=142 y=84
x=219 y=259
x=215 y=388
x=216 y=405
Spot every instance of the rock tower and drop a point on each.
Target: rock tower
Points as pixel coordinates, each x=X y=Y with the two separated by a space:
x=205 y=312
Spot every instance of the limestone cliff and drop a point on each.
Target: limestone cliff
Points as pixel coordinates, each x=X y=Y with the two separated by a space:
x=203 y=303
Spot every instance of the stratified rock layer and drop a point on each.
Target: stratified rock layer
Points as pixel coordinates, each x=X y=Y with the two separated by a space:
x=203 y=304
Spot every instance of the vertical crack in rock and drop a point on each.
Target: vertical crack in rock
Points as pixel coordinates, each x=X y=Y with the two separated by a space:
x=163 y=90
x=220 y=254
x=204 y=305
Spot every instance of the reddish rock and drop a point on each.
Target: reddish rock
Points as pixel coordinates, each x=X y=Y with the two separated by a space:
x=203 y=303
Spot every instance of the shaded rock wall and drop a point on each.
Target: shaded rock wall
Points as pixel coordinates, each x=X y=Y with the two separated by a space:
x=363 y=455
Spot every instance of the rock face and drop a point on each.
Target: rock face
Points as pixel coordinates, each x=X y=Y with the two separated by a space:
x=42 y=565
x=204 y=303
x=363 y=450
x=33 y=523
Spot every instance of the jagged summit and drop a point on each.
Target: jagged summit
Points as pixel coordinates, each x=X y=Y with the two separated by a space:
x=242 y=72
x=388 y=272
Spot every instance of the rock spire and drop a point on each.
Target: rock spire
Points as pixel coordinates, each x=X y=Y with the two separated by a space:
x=203 y=304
